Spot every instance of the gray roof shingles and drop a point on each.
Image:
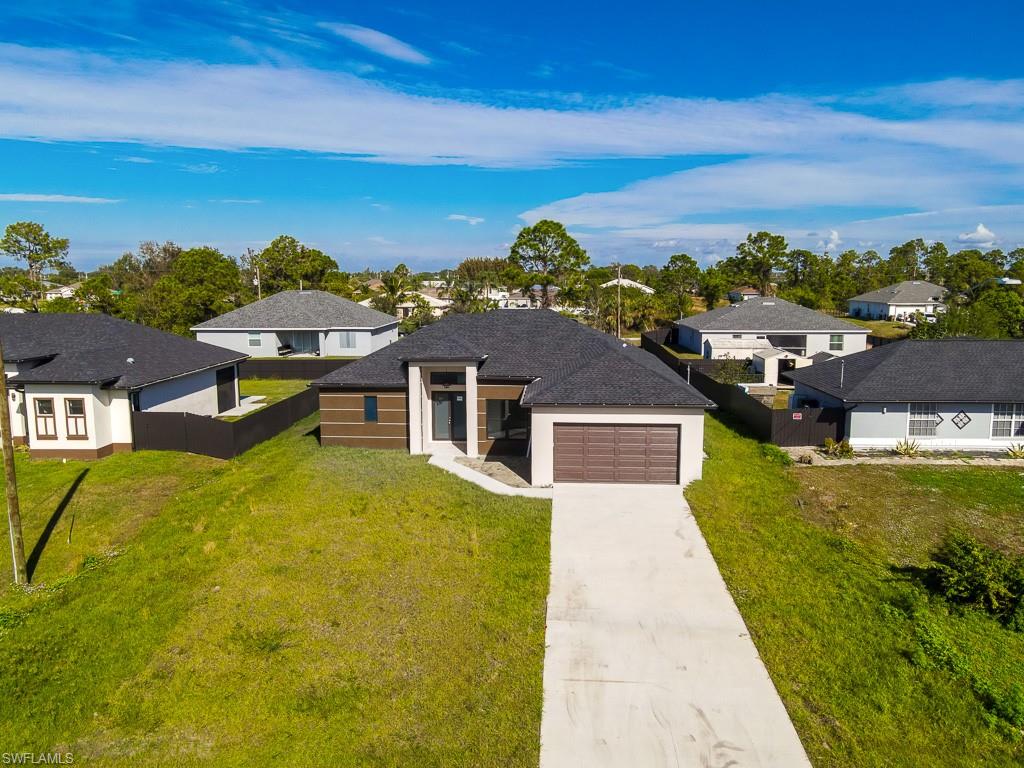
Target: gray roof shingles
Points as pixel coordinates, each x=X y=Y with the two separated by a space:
x=918 y=370
x=907 y=292
x=299 y=310
x=564 y=361
x=94 y=349
x=771 y=315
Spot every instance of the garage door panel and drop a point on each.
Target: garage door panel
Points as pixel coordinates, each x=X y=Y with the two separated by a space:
x=622 y=453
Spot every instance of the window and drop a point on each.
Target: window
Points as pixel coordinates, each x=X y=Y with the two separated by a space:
x=924 y=418
x=46 y=421
x=507 y=420
x=370 y=409
x=254 y=339
x=1008 y=420
x=347 y=339
x=835 y=342
x=447 y=378
x=74 y=417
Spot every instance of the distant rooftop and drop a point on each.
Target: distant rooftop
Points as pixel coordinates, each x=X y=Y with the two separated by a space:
x=772 y=315
x=907 y=292
x=299 y=311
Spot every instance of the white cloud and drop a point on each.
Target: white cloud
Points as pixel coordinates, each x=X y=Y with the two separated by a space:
x=829 y=244
x=981 y=235
x=24 y=197
x=201 y=168
x=237 y=201
x=471 y=220
x=381 y=240
x=378 y=42
x=135 y=159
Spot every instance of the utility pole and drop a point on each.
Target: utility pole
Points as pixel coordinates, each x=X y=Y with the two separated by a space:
x=618 y=301
x=11 y=484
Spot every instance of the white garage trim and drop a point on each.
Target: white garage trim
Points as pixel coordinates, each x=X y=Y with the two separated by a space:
x=542 y=436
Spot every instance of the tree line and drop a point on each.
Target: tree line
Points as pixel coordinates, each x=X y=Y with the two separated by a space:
x=174 y=288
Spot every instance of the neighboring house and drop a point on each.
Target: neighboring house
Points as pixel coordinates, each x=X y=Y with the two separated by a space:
x=626 y=283
x=743 y=293
x=301 y=323
x=61 y=291
x=437 y=305
x=583 y=406
x=902 y=300
x=741 y=330
x=943 y=393
x=76 y=378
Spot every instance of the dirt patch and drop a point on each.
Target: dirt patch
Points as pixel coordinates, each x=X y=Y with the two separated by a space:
x=513 y=471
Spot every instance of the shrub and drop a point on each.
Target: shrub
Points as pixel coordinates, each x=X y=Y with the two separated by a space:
x=776 y=455
x=967 y=572
x=1015 y=451
x=907 y=448
x=840 y=450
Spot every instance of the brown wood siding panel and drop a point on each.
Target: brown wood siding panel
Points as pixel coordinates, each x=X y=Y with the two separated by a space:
x=336 y=416
x=387 y=443
x=619 y=453
x=499 y=391
x=355 y=399
x=362 y=430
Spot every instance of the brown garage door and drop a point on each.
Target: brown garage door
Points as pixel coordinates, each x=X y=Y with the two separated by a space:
x=616 y=453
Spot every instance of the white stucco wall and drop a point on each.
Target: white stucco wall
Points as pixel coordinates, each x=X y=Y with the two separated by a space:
x=817 y=341
x=195 y=393
x=366 y=341
x=876 y=310
x=15 y=403
x=544 y=418
x=98 y=415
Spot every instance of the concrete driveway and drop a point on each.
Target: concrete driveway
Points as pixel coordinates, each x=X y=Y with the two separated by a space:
x=648 y=662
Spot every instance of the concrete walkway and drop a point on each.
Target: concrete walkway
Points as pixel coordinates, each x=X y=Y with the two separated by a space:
x=447 y=462
x=648 y=662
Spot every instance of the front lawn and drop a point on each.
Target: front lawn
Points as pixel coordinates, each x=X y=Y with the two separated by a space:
x=884 y=329
x=293 y=606
x=873 y=670
x=271 y=390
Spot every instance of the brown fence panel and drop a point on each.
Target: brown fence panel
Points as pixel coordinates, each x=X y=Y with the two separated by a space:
x=807 y=426
x=208 y=436
x=306 y=368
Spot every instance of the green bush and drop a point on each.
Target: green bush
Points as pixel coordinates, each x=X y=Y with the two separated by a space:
x=967 y=572
x=1015 y=451
x=838 y=450
x=776 y=455
x=907 y=448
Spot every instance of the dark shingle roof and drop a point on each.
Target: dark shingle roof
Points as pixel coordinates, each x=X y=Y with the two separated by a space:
x=907 y=292
x=94 y=349
x=917 y=370
x=299 y=310
x=772 y=315
x=566 y=363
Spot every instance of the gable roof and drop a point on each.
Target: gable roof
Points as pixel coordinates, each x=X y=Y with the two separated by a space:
x=919 y=370
x=94 y=349
x=907 y=292
x=770 y=315
x=299 y=310
x=563 y=361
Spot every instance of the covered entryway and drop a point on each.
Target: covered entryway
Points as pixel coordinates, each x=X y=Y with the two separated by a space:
x=616 y=453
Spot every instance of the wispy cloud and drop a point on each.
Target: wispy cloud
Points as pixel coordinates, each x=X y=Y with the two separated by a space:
x=135 y=159
x=379 y=42
x=26 y=197
x=471 y=220
x=237 y=201
x=201 y=168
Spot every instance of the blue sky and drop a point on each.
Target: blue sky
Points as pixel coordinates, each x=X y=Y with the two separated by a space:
x=427 y=133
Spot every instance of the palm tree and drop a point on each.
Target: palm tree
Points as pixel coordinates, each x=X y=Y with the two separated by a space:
x=395 y=288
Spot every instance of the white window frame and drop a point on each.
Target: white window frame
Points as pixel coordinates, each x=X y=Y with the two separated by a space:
x=832 y=343
x=346 y=339
x=255 y=336
x=933 y=410
x=1015 y=421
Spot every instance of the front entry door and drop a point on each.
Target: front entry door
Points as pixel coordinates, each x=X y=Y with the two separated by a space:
x=449 y=416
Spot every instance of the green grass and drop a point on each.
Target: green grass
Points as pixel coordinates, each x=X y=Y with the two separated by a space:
x=682 y=354
x=885 y=329
x=294 y=605
x=272 y=390
x=816 y=559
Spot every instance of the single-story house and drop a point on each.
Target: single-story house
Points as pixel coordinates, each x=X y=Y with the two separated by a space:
x=941 y=393
x=75 y=379
x=900 y=300
x=743 y=293
x=741 y=329
x=583 y=406
x=437 y=305
x=61 y=291
x=301 y=323
x=627 y=283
